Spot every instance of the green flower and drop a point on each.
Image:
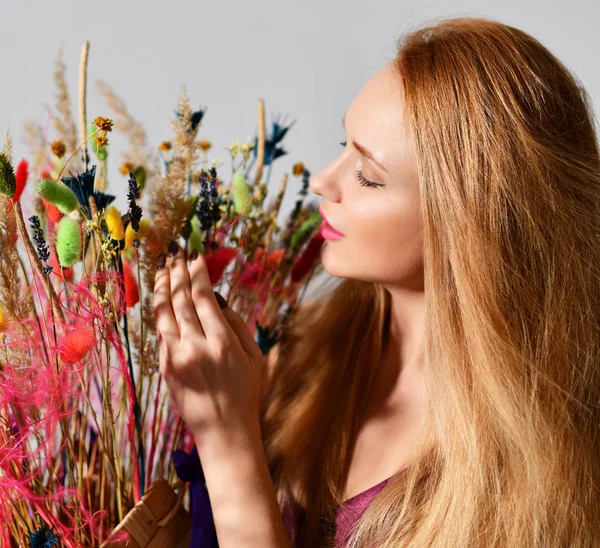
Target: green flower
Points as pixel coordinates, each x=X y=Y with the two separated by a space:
x=8 y=183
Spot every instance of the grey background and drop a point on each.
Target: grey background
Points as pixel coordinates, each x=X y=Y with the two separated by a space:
x=305 y=59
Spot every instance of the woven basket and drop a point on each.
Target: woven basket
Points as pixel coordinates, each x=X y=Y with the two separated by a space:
x=158 y=520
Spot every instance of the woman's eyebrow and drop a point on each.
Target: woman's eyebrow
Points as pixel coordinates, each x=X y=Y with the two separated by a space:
x=364 y=151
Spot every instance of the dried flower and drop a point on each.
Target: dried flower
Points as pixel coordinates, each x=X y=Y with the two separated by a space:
x=58 y=148
x=75 y=345
x=208 y=208
x=132 y=293
x=126 y=168
x=135 y=211
x=298 y=169
x=165 y=146
x=101 y=140
x=21 y=176
x=41 y=246
x=272 y=151
x=58 y=194
x=204 y=145
x=42 y=538
x=105 y=124
x=114 y=222
x=8 y=183
x=68 y=241
x=195 y=119
x=3 y=321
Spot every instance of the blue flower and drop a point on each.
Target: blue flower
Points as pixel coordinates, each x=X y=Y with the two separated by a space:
x=42 y=538
x=272 y=151
x=83 y=187
x=267 y=338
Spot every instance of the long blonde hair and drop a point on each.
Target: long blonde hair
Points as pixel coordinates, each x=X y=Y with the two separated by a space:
x=509 y=171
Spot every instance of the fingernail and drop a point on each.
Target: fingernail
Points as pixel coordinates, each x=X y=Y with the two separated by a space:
x=161 y=261
x=193 y=255
x=220 y=299
x=173 y=248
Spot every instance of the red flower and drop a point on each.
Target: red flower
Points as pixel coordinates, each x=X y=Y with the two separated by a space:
x=132 y=294
x=52 y=211
x=68 y=272
x=218 y=261
x=308 y=257
x=21 y=176
x=76 y=344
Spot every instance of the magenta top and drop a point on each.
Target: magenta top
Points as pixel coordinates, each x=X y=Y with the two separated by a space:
x=348 y=513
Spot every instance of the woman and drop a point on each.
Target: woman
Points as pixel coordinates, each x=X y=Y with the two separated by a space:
x=447 y=392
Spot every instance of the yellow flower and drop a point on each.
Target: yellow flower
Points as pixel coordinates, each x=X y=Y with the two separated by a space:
x=127 y=168
x=114 y=223
x=105 y=124
x=3 y=322
x=101 y=140
x=144 y=228
x=204 y=145
x=298 y=169
x=130 y=233
x=58 y=148
x=165 y=146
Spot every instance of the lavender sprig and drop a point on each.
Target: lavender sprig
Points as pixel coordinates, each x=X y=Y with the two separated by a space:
x=208 y=207
x=43 y=251
x=135 y=211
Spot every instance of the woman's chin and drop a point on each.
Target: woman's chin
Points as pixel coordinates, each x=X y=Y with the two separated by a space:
x=332 y=260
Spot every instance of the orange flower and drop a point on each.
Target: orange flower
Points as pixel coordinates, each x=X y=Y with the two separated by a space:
x=298 y=169
x=127 y=168
x=101 y=140
x=58 y=148
x=204 y=145
x=105 y=124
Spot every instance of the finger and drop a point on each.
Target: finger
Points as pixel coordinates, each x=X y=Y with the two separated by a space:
x=181 y=292
x=240 y=328
x=207 y=309
x=166 y=324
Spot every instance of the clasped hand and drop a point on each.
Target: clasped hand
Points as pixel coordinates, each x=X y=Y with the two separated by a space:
x=207 y=355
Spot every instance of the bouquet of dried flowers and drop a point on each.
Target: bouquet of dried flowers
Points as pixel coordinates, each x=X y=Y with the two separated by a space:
x=86 y=427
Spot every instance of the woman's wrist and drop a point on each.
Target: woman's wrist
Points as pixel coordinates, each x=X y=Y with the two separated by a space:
x=242 y=494
x=240 y=435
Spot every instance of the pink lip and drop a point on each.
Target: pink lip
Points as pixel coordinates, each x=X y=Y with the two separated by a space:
x=327 y=231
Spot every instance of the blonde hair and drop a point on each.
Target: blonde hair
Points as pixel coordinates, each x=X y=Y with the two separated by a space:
x=509 y=172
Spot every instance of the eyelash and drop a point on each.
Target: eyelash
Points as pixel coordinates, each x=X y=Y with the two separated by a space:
x=360 y=176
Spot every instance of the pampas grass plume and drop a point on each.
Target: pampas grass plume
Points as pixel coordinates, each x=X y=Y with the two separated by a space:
x=58 y=194
x=68 y=241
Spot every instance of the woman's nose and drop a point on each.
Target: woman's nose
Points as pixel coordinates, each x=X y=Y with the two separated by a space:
x=325 y=183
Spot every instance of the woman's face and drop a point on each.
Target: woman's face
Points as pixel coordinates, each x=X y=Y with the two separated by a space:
x=381 y=225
